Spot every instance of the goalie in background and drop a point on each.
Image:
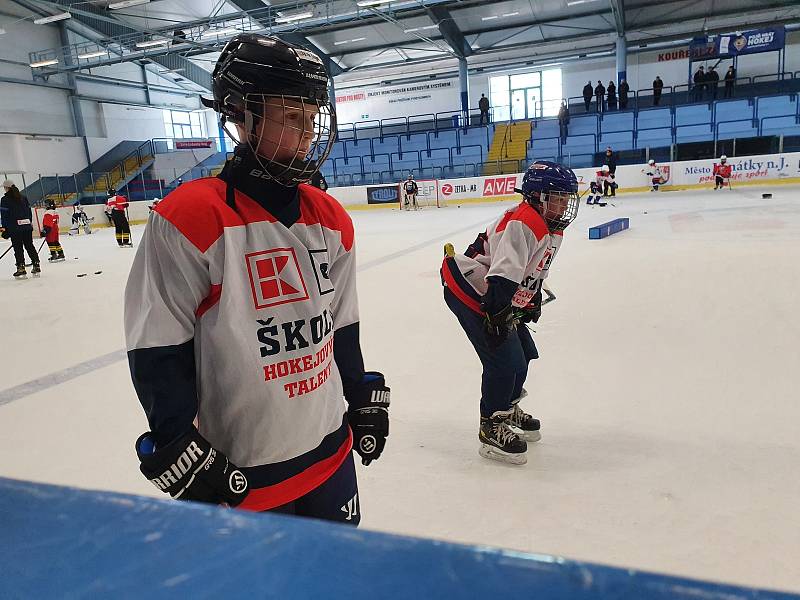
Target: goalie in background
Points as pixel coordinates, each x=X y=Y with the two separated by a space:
x=410 y=191
x=722 y=173
x=80 y=219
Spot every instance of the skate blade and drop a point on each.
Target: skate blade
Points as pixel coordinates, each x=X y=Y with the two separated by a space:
x=493 y=453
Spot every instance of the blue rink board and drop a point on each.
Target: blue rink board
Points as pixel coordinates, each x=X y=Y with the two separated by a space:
x=606 y=229
x=65 y=543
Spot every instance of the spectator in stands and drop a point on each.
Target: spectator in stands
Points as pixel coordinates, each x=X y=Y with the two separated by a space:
x=730 y=78
x=624 y=88
x=712 y=78
x=658 y=86
x=563 y=121
x=699 y=83
x=612 y=96
x=600 y=96
x=588 y=92
x=483 y=105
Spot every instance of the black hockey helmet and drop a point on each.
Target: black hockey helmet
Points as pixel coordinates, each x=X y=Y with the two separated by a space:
x=253 y=68
x=50 y=204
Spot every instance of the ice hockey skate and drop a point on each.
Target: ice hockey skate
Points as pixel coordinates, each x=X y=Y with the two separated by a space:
x=525 y=425
x=20 y=273
x=499 y=442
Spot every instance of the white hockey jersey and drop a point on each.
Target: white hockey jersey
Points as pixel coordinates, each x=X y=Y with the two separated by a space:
x=519 y=247
x=260 y=302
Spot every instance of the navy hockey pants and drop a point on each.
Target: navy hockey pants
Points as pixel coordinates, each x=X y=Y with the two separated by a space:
x=505 y=367
x=334 y=500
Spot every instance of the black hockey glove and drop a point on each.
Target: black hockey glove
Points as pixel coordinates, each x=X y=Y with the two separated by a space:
x=5 y=235
x=533 y=311
x=45 y=230
x=190 y=469
x=369 y=416
x=497 y=326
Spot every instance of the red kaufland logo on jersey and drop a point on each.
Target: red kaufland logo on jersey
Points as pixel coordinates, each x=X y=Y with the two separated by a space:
x=499 y=186
x=275 y=277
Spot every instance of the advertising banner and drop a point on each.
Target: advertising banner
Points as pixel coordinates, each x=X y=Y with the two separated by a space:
x=383 y=194
x=750 y=42
x=192 y=144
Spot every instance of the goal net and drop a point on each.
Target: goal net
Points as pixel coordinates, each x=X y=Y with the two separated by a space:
x=427 y=195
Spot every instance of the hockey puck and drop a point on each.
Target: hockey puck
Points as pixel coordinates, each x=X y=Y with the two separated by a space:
x=97 y=272
x=644 y=213
x=81 y=274
x=766 y=196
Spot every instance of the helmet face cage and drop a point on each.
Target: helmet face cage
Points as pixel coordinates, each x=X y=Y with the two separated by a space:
x=289 y=136
x=546 y=182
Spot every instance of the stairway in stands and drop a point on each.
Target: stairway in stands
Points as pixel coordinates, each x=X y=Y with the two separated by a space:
x=508 y=147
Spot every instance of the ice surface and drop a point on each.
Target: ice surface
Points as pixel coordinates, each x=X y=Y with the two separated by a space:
x=667 y=386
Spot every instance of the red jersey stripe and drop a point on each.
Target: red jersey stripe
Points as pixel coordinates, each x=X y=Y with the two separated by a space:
x=209 y=301
x=318 y=207
x=527 y=215
x=272 y=496
x=469 y=302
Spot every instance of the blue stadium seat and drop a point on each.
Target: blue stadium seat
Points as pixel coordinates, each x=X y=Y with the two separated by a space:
x=615 y=122
x=618 y=140
x=389 y=144
x=407 y=161
x=379 y=162
x=694 y=114
x=693 y=133
x=728 y=110
x=743 y=128
x=769 y=106
x=780 y=126
x=437 y=157
x=444 y=139
x=654 y=137
x=582 y=124
x=474 y=136
x=654 y=117
x=357 y=148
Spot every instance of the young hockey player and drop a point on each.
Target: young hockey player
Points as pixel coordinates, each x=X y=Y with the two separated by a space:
x=722 y=173
x=495 y=287
x=16 y=220
x=599 y=186
x=410 y=191
x=241 y=315
x=116 y=205
x=80 y=219
x=653 y=172
x=50 y=232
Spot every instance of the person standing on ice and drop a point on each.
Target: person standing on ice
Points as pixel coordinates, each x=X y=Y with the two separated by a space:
x=50 y=232
x=241 y=314
x=722 y=173
x=495 y=287
x=116 y=205
x=16 y=220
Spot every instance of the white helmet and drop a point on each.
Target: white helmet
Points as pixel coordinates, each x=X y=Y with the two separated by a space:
x=651 y=162
x=723 y=158
x=604 y=169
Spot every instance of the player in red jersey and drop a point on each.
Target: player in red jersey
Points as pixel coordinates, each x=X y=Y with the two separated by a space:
x=722 y=173
x=117 y=204
x=50 y=232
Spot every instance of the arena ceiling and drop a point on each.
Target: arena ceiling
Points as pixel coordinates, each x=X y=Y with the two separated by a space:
x=388 y=39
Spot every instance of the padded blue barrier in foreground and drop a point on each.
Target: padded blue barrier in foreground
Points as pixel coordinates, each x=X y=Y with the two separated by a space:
x=606 y=229
x=66 y=543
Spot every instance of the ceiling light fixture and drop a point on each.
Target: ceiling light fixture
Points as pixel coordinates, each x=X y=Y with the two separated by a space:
x=295 y=17
x=52 y=18
x=372 y=2
x=219 y=32
x=93 y=54
x=514 y=14
x=492 y=18
x=126 y=4
x=152 y=43
x=576 y=2
x=339 y=43
x=44 y=63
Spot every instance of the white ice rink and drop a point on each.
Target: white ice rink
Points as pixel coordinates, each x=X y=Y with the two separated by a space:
x=667 y=387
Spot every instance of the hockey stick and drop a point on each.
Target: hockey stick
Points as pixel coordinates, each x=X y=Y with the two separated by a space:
x=6 y=252
x=550 y=295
